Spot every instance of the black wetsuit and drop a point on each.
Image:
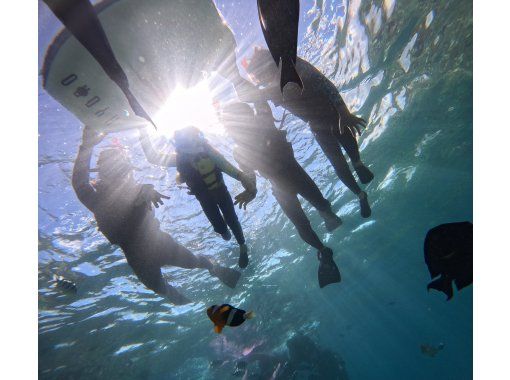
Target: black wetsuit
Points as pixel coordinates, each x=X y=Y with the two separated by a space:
x=320 y=105
x=216 y=202
x=126 y=220
x=266 y=150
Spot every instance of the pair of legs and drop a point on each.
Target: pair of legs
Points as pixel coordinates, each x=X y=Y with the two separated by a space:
x=149 y=254
x=330 y=140
x=286 y=188
x=219 y=209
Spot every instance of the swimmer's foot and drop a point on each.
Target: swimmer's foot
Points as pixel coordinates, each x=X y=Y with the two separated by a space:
x=364 y=206
x=243 y=256
x=364 y=173
x=331 y=220
x=226 y=235
x=175 y=297
x=328 y=271
x=226 y=275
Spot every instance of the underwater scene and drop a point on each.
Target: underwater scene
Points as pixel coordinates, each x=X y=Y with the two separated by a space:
x=267 y=302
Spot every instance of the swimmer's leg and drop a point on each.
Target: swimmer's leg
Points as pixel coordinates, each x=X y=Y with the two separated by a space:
x=308 y=189
x=290 y=205
x=350 y=144
x=151 y=277
x=212 y=212
x=179 y=256
x=330 y=146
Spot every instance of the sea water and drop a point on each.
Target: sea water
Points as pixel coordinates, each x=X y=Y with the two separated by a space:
x=406 y=66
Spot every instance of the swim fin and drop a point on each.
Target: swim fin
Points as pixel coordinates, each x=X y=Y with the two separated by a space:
x=443 y=284
x=289 y=74
x=243 y=256
x=328 y=271
x=365 y=209
x=226 y=275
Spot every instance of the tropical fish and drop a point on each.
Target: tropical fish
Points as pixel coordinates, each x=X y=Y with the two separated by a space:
x=227 y=315
x=429 y=350
x=280 y=21
x=449 y=256
x=65 y=284
x=80 y=18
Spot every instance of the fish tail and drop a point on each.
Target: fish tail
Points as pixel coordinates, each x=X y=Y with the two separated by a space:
x=289 y=74
x=249 y=315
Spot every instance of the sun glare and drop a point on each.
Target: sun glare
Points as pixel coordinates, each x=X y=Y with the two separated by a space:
x=188 y=106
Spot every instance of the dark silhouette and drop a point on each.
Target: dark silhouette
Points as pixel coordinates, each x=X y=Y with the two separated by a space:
x=201 y=167
x=320 y=105
x=123 y=211
x=449 y=256
x=261 y=146
x=280 y=21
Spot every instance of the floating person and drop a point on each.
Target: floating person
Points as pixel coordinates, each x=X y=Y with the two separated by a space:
x=65 y=284
x=123 y=210
x=322 y=107
x=201 y=167
x=449 y=256
x=280 y=21
x=261 y=146
x=431 y=351
x=80 y=18
x=227 y=315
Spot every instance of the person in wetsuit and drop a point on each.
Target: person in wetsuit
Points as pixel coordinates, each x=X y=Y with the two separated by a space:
x=321 y=106
x=261 y=146
x=123 y=210
x=201 y=167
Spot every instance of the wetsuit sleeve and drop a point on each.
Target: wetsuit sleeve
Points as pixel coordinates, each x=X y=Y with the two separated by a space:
x=156 y=158
x=225 y=166
x=245 y=166
x=81 y=178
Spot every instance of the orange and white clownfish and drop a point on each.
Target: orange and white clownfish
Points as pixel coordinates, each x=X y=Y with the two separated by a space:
x=227 y=315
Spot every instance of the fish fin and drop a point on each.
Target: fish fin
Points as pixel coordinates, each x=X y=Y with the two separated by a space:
x=289 y=74
x=249 y=315
x=224 y=309
x=442 y=284
x=217 y=329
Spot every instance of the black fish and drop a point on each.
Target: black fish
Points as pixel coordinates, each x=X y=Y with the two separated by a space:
x=449 y=256
x=80 y=18
x=279 y=20
x=65 y=284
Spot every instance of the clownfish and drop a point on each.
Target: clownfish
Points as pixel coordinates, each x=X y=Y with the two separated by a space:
x=227 y=315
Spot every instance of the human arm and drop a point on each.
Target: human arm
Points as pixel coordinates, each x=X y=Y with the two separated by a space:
x=246 y=196
x=161 y=159
x=81 y=171
x=229 y=169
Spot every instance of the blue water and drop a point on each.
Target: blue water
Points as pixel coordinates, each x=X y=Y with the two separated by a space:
x=404 y=65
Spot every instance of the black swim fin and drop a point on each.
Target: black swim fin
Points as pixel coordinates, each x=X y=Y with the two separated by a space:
x=328 y=271
x=289 y=74
x=443 y=284
x=226 y=275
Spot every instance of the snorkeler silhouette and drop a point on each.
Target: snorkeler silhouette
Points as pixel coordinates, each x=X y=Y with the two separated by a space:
x=320 y=105
x=201 y=167
x=123 y=211
x=261 y=146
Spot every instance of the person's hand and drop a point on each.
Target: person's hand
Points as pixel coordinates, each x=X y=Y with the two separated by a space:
x=244 y=198
x=152 y=197
x=352 y=124
x=91 y=137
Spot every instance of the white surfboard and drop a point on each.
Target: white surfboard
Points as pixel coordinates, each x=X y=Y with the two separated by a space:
x=158 y=43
